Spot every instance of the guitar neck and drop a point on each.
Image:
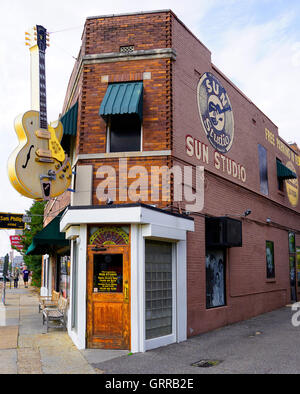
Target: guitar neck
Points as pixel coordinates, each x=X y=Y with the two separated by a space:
x=38 y=78
x=42 y=90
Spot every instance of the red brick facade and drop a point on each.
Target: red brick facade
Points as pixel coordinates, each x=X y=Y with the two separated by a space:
x=170 y=114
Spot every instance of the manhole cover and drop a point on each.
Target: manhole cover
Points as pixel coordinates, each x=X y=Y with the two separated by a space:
x=206 y=363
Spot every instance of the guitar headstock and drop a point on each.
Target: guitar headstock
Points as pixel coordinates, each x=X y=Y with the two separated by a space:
x=37 y=36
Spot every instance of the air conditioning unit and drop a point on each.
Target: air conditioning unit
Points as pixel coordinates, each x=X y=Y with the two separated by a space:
x=223 y=232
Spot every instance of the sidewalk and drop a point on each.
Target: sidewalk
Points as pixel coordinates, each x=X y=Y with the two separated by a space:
x=266 y=344
x=26 y=348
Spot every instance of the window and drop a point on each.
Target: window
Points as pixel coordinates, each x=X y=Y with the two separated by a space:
x=292 y=263
x=215 y=278
x=108 y=273
x=159 y=283
x=263 y=169
x=270 y=260
x=280 y=180
x=124 y=133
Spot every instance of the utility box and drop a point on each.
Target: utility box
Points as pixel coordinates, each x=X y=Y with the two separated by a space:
x=223 y=232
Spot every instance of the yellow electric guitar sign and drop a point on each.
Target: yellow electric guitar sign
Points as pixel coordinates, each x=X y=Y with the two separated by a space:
x=39 y=168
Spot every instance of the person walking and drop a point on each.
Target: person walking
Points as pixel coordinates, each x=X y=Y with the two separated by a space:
x=16 y=279
x=25 y=276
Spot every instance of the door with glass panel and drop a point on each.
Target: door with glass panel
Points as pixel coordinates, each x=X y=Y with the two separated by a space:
x=159 y=276
x=108 y=310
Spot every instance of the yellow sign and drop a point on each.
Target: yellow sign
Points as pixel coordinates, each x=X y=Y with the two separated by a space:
x=108 y=282
x=292 y=186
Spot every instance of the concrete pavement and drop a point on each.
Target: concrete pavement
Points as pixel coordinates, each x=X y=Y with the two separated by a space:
x=25 y=347
x=267 y=344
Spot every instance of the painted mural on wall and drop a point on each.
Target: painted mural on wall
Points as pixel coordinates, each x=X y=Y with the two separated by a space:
x=215 y=279
x=292 y=186
x=215 y=112
x=270 y=259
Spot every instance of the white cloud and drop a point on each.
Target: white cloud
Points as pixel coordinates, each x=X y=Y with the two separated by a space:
x=263 y=60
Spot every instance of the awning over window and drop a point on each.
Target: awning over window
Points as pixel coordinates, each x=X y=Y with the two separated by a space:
x=285 y=173
x=49 y=239
x=69 y=121
x=123 y=98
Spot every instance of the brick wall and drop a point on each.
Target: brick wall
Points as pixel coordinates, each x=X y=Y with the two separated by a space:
x=170 y=113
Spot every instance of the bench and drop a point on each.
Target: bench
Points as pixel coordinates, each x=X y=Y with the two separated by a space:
x=48 y=301
x=57 y=314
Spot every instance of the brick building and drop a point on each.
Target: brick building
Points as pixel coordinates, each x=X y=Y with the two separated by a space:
x=153 y=256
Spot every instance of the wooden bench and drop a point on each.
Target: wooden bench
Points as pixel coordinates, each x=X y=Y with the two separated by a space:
x=49 y=301
x=57 y=314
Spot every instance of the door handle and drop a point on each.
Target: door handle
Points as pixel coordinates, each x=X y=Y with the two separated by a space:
x=126 y=292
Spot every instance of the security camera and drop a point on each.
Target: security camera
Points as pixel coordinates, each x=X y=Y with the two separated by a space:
x=248 y=212
x=109 y=201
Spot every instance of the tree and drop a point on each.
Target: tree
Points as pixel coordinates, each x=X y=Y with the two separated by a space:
x=34 y=263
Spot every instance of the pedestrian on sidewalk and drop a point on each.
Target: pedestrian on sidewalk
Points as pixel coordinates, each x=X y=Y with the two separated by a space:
x=25 y=276
x=16 y=279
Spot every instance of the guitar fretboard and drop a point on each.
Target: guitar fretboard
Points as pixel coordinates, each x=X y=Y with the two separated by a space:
x=43 y=100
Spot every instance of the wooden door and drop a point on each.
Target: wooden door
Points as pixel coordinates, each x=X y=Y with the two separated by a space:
x=108 y=287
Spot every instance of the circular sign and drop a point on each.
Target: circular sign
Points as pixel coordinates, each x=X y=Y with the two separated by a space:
x=215 y=112
x=292 y=186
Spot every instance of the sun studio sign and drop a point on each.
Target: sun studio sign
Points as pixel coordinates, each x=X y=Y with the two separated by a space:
x=215 y=112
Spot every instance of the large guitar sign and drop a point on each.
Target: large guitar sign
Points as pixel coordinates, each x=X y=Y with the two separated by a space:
x=39 y=168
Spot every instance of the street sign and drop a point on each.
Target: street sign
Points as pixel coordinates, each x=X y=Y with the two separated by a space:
x=15 y=241
x=12 y=221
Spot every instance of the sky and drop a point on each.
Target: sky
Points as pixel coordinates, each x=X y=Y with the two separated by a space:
x=255 y=43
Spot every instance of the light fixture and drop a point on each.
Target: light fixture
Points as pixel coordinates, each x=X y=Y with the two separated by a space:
x=268 y=220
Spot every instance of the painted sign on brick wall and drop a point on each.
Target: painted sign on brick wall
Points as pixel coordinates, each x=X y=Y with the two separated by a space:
x=215 y=112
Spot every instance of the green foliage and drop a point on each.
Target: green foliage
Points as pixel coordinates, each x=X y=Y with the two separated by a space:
x=34 y=263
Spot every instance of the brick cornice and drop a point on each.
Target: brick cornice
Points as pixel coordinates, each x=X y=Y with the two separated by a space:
x=164 y=53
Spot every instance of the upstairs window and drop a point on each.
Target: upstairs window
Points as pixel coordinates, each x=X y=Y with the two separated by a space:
x=124 y=133
x=279 y=179
x=263 y=170
x=122 y=109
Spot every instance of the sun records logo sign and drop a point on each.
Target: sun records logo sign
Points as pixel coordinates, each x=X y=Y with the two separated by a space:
x=215 y=112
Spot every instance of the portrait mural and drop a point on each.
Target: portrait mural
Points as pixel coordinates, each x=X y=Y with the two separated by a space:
x=270 y=259
x=215 y=278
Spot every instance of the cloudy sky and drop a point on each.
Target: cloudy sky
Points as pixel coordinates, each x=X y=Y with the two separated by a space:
x=256 y=43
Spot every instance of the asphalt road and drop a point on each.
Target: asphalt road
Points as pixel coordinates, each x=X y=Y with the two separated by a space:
x=267 y=344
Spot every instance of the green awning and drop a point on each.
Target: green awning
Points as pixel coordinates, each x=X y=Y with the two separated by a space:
x=49 y=239
x=285 y=173
x=69 y=121
x=123 y=98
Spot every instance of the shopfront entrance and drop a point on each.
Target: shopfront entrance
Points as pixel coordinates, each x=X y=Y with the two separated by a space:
x=108 y=293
